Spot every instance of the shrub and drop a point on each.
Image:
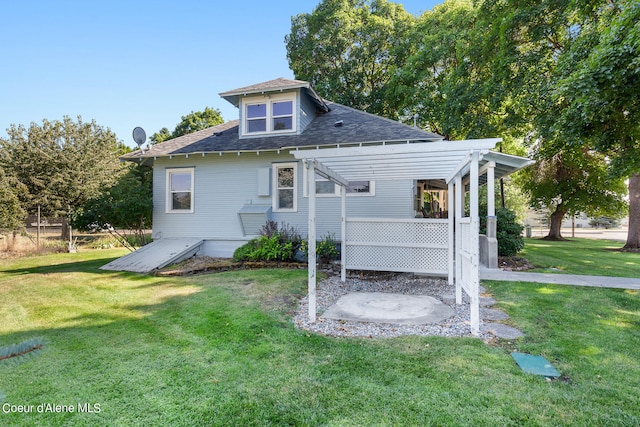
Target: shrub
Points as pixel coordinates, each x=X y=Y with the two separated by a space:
x=272 y=249
x=274 y=244
x=508 y=232
x=326 y=248
x=286 y=233
x=243 y=253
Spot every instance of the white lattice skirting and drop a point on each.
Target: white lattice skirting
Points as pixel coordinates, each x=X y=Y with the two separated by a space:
x=402 y=245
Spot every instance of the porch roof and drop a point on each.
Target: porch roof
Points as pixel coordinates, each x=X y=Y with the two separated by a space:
x=413 y=160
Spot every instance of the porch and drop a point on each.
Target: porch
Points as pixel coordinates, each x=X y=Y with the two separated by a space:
x=436 y=246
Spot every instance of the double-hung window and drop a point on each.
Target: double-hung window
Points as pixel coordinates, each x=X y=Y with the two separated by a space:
x=285 y=185
x=270 y=115
x=256 y=118
x=282 y=115
x=180 y=190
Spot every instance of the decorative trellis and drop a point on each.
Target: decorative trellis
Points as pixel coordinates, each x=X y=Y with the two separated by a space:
x=402 y=245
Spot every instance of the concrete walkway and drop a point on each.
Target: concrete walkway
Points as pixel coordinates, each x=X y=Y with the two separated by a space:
x=560 y=279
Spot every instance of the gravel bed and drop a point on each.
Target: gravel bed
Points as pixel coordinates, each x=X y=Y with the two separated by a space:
x=330 y=290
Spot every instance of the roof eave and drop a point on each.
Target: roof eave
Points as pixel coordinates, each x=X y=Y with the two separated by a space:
x=233 y=96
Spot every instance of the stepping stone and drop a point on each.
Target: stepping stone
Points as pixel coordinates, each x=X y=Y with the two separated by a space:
x=501 y=331
x=492 y=314
x=487 y=302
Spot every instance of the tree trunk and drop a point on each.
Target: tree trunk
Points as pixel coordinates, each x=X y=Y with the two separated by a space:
x=633 y=235
x=556 y=223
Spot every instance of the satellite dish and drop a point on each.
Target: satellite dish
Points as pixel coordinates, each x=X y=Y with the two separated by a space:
x=139 y=136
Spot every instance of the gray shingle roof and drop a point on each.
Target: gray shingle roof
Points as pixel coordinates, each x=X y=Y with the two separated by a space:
x=271 y=85
x=279 y=84
x=357 y=127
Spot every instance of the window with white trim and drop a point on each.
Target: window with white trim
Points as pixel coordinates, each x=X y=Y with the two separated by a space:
x=285 y=185
x=326 y=188
x=180 y=190
x=273 y=115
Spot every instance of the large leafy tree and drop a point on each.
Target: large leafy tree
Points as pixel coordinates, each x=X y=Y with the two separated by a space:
x=443 y=80
x=533 y=39
x=350 y=49
x=60 y=164
x=192 y=122
x=447 y=81
x=597 y=97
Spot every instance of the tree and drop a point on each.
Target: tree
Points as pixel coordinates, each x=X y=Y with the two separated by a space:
x=536 y=43
x=127 y=205
x=598 y=93
x=192 y=122
x=12 y=215
x=571 y=181
x=350 y=49
x=60 y=164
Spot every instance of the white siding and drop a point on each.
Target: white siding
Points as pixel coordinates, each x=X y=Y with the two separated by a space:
x=224 y=184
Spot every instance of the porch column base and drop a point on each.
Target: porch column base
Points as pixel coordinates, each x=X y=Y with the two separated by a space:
x=489 y=244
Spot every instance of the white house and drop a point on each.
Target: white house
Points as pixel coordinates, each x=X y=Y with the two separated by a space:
x=323 y=168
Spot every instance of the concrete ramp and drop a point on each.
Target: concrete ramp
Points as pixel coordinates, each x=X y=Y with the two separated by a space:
x=156 y=255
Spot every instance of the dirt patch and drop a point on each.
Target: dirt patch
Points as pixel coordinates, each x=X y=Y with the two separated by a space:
x=204 y=264
x=514 y=263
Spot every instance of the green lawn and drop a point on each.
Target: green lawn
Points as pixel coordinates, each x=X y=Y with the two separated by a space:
x=582 y=256
x=220 y=349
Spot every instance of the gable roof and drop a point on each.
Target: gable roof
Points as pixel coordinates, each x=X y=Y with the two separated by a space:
x=338 y=126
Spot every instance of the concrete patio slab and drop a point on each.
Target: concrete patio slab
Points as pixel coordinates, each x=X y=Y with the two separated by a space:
x=389 y=308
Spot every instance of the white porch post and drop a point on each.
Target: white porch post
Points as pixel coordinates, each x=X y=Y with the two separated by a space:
x=475 y=245
x=459 y=206
x=450 y=221
x=491 y=192
x=311 y=247
x=343 y=233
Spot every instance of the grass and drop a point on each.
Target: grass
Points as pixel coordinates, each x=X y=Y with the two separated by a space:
x=582 y=256
x=220 y=349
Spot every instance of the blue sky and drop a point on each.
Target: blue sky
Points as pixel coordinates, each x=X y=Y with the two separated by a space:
x=139 y=63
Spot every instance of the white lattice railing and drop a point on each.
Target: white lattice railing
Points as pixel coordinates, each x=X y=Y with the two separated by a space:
x=403 y=245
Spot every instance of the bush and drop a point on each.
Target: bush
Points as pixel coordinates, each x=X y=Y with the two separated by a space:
x=243 y=253
x=326 y=248
x=285 y=233
x=508 y=232
x=274 y=244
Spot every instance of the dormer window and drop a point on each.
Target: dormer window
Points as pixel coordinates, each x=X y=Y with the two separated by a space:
x=282 y=115
x=257 y=118
x=272 y=115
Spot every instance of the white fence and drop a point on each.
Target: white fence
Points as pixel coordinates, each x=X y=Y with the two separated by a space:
x=402 y=245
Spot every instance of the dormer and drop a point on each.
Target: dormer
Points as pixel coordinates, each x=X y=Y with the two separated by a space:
x=276 y=107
